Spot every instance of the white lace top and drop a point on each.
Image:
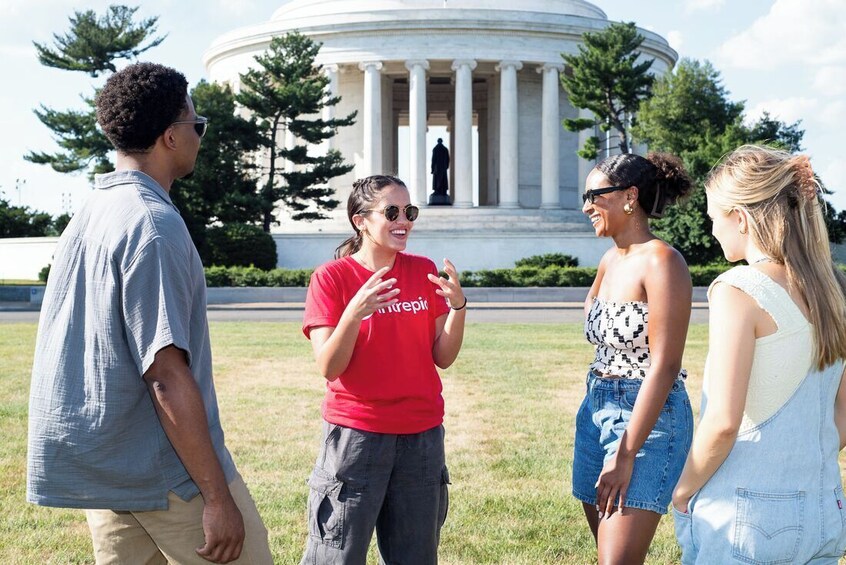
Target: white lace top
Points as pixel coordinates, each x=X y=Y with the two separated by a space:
x=619 y=332
x=781 y=360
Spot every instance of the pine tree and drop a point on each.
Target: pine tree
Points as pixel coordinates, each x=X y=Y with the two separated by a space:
x=606 y=79
x=223 y=186
x=92 y=46
x=287 y=91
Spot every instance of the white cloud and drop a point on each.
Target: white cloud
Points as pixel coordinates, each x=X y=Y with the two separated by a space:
x=786 y=109
x=696 y=5
x=675 y=39
x=830 y=81
x=806 y=31
x=834 y=113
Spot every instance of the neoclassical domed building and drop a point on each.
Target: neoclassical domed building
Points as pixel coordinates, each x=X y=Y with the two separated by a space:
x=481 y=74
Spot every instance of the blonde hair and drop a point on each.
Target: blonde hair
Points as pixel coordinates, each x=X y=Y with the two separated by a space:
x=781 y=197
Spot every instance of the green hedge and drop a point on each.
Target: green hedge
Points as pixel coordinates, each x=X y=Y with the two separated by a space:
x=529 y=276
x=253 y=276
x=516 y=277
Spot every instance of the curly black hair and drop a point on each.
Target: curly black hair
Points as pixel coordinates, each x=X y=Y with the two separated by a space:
x=139 y=103
x=661 y=178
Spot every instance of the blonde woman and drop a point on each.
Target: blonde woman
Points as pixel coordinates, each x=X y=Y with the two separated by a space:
x=761 y=483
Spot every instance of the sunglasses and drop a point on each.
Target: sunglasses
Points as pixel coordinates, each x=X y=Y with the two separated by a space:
x=392 y=212
x=593 y=193
x=201 y=124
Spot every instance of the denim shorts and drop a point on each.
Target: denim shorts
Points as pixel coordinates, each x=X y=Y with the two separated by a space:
x=603 y=417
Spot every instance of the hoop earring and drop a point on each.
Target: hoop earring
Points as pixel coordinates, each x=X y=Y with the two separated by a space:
x=743 y=231
x=627 y=209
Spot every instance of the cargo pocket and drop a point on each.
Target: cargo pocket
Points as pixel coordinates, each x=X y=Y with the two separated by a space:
x=325 y=508
x=443 y=506
x=768 y=526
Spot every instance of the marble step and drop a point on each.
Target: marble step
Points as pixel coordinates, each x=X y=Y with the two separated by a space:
x=486 y=220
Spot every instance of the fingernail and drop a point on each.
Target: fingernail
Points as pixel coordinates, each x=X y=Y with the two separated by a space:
x=600 y=515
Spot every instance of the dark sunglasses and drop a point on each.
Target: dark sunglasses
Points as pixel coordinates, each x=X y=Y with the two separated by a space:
x=201 y=124
x=392 y=211
x=592 y=194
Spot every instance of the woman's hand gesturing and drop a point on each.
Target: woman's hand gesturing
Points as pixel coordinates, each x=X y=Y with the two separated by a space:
x=373 y=295
x=450 y=289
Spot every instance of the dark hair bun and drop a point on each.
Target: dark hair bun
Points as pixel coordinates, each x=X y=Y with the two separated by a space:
x=671 y=178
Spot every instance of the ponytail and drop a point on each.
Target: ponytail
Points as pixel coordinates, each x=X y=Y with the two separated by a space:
x=781 y=197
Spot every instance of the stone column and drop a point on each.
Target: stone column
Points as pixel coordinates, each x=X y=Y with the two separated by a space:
x=509 y=179
x=331 y=72
x=372 y=117
x=417 y=129
x=585 y=166
x=462 y=154
x=550 y=136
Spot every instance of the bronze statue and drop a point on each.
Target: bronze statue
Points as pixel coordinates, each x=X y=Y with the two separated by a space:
x=440 y=178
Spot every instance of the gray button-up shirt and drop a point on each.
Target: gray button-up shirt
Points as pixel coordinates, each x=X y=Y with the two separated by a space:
x=126 y=281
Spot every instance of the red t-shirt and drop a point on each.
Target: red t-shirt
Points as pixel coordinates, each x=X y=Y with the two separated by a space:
x=390 y=385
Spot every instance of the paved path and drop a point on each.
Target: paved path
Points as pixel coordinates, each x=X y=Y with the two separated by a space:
x=493 y=312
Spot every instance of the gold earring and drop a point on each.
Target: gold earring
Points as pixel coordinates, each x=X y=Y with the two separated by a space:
x=627 y=208
x=743 y=231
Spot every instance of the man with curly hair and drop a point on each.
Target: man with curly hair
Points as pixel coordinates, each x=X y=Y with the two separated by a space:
x=123 y=418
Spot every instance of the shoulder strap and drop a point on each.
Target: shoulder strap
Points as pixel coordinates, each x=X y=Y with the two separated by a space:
x=769 y=295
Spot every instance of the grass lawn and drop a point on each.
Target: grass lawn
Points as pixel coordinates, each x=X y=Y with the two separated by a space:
x=24 y=282
x=511 y=399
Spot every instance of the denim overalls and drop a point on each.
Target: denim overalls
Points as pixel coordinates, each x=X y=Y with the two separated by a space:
x=778 y=497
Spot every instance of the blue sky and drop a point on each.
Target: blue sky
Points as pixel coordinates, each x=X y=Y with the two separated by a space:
x=784 y=56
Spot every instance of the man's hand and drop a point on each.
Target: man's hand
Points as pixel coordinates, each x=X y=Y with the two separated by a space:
x=223 y=528
x=182 y=414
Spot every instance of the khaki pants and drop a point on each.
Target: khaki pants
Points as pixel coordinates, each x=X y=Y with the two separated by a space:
x=171 y=536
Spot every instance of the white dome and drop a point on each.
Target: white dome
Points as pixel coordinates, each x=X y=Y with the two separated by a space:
x=536 y=31
x=306 y=8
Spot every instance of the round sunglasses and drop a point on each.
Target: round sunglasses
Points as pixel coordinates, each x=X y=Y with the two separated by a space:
x=200 y=123
x=593 y=193
x=391 y=212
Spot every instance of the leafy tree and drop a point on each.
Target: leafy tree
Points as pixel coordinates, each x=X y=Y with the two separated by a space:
x=20 y=221
x=775 y=132
x=607 y=80
x=222 y=187
x=686 y=107
x=690 y=115
x=241 y=245
x=283 y=92
x=91 y=46
x=60 y=223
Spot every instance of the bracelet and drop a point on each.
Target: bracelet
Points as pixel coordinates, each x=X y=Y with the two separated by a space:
x=460 y=307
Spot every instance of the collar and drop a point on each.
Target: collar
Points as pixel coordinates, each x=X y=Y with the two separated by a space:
x=110 y=180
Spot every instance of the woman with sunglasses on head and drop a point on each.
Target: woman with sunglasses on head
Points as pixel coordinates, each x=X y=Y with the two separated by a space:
x=762 y=482
x=635 y=424
x=380 y=322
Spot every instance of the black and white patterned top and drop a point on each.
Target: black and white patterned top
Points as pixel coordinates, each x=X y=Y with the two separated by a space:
x=619 y=330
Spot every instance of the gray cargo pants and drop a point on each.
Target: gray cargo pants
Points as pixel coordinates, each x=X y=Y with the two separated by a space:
x=393 y=483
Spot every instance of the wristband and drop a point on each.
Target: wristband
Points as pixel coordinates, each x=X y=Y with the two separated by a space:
x=460 y=307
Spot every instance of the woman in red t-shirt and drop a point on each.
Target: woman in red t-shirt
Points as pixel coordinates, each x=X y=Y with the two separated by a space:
x=380 y=321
